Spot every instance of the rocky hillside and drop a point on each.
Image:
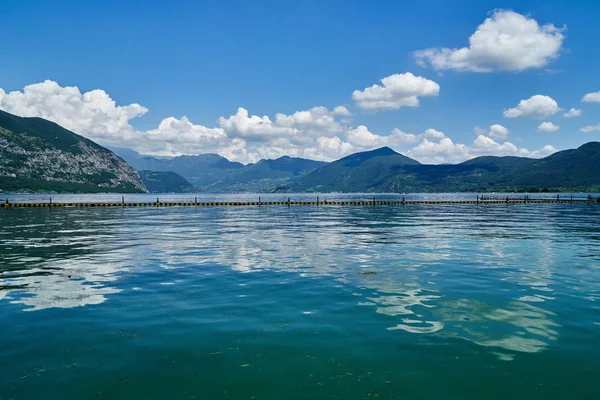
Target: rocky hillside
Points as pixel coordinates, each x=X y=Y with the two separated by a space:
x=37 y=155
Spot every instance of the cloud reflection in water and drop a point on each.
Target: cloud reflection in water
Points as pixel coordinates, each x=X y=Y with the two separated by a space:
x=480 y=274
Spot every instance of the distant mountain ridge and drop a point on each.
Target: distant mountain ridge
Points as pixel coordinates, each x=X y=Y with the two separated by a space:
x=214 y=173
x=201 y=170
x=384 y=170
x=37 y=155
x=165 y=182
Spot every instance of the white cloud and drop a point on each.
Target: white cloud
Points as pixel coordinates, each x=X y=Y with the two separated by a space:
x=537 y=106
x=317 y=120
x=506 y=41
x=433 y=134
x=362 y=139
x=174 y=134
x=341 y=111
x=93 y=112
x=399 y=90
x=496 y=131
x=315 y=133
x=592 y=97
x=590 y=128
x=446 y=151
x=547 y=127
x=258 y=128
x=572 y=113
x=241 y=137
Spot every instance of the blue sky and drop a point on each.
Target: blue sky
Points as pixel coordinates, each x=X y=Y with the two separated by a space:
x=204 y=60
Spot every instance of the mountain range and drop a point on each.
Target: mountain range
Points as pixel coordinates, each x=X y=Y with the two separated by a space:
x=38 y=155
x=384 y=170
x=213 y=173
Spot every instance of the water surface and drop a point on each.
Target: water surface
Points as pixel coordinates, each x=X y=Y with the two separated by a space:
x=349 y=302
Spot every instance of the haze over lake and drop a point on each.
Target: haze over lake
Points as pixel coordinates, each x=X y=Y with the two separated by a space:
x=300 y=302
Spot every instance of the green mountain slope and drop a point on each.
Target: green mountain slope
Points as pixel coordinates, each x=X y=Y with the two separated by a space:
x=383 y=170
x=266 y=175
x=37 y=155
x=357 y=172
x=165 y=182
x=577 y=168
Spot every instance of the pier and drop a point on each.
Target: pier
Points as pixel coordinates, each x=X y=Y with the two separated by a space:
x=371 y=202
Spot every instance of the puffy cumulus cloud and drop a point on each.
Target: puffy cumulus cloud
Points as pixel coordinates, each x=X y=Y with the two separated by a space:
x=506 y=41
x=341 y=111
x=591 y=128
x=328 y=148
x=592 y=97
x=547 y=127
x=362 y=138
x=254 y=127
x=395 y=91
x=298 y=127
x=173 y=128
x=317 y=120
x=93 y=113
x=241 y=137
x=496 y=131
x=446 y=151
x=572 y=113
x=537 y=106
x=172 y=136
x=433 y=134
x=315 y=133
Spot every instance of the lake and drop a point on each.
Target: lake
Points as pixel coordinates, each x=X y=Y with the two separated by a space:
x=331 y=302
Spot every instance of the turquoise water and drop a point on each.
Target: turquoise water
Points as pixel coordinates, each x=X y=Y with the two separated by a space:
x=496 y=301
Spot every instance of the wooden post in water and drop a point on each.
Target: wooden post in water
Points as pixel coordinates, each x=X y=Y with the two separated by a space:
x=289 y=201
x=157 y=202
x=317 y=201
x=196 y=201
x=477 y=199
x=259 y=201
x=123 y=200
x=403 y=202
x=558 y=197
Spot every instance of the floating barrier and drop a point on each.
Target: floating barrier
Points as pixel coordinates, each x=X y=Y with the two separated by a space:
x=195 y=203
